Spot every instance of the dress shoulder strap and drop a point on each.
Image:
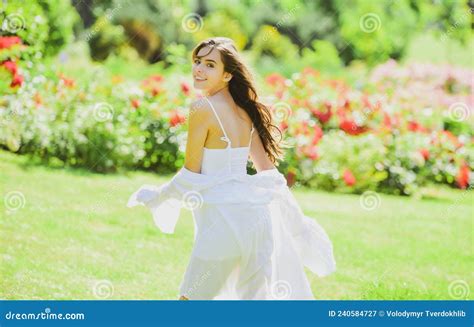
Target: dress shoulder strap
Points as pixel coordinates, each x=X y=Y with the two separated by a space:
x=225 y=137
x=251 y=135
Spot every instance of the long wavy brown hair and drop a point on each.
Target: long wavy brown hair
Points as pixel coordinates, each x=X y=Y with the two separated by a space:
x=244 y=93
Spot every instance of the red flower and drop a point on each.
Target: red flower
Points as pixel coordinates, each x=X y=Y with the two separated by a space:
x=325 y=116
x=283 y=125
x=176 y=118
x=10 y=66
x=135 y=103
x=414 y=126
x=318 y=135
x=8 y=41
x=16 y=81
x=185 y=88
x=349 y=178
x=462 y=178
x=425 y=153
x=350 y=127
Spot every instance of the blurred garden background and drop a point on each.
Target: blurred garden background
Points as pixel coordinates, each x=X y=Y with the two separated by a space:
x=374 y=99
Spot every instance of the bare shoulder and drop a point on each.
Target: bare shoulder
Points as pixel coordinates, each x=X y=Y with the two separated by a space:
x=223 y=106
x=218 y=102
x=200 y=108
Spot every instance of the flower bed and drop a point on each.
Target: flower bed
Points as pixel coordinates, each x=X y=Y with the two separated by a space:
x=408 y=125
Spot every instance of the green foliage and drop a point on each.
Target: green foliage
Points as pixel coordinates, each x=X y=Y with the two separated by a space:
x=62 y=17
x=72 y=212
x=45 y=25
x=324 y=57
x=362 y=155
x=269 y=42
x=372 y=31
x=221 y=24
x=102 y=126
x=105 y=38
x=27 y=21
x=376 y=31
x=407 y=169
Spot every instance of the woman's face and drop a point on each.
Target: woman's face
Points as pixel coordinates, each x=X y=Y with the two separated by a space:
x=208 y=71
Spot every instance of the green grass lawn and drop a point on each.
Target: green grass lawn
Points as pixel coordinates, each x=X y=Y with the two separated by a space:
x=74 y=238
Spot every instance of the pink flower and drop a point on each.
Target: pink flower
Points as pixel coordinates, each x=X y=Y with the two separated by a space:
x=185 y=88
x=310 y=152
x=387 y=121
x=283 y=125
x=303 y=128
x=275 y=79
x=310 y=71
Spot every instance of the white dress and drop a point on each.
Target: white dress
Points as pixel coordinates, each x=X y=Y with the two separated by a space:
x=247 y=244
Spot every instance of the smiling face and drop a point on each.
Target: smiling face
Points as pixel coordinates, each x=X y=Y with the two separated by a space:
x=208 y=70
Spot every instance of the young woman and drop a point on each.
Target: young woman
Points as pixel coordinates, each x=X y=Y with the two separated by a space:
x=252 y=240
x=230 y=108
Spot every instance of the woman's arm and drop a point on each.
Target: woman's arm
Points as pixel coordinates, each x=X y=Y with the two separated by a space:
x=198 y=128
x=258 y=155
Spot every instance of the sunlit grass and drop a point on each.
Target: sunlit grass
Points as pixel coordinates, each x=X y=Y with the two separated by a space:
x=74 y=232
